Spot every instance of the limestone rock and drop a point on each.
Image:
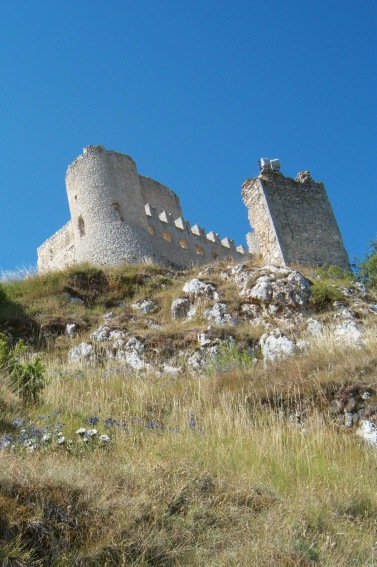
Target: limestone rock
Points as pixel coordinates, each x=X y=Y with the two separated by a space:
x=172 y=371
x=196 y=288
x=72 y=299
x=101 y=334
x=368 y=431
x=279 y=291
x=80 y=353
x=261 y=292
x=132 y=359
x=130 y=354
x=313 y=326
x=145 y=306
x=71 y=330
x=349 y=331
x=109 y=315
x=180 y=308
x=276 y=345
x=116 y=334
x=133 y=344
x=218 y=314
x=197 y=361
x=204 y=340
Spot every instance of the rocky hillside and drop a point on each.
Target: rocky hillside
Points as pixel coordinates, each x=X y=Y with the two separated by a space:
x=219 y=416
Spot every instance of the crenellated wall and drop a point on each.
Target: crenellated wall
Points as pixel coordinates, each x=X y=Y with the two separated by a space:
x=185 y=245
x=118 y=215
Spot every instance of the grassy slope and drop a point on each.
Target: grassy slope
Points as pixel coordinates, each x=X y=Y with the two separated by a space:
x=201 y=470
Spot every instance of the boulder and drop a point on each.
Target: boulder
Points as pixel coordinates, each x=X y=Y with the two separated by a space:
x=350 y=332
x=276 y=345
x=101 y=334
x=218 y=314
x=277 y=290
x=71 y=330
x=196 y=288
x=180 y=308
x=368 y=431
x=144 y=306
x=80 y=353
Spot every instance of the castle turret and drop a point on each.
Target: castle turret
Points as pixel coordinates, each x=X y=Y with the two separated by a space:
x=107 y=208
x=120 y=216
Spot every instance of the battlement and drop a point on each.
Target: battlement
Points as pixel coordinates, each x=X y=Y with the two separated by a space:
x=183 y=243
x=118 y=215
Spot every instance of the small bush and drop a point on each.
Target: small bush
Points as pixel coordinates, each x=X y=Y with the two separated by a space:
x=324 y=294
x=336 y=274
x=230 y=356
x=2 y=295
x=26 y=379
x=367 y=268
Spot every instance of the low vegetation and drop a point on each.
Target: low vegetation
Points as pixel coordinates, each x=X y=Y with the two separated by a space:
x=367 y=268
x=241 y=464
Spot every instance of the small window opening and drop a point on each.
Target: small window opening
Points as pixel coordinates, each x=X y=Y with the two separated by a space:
x=167 y=236
x=151 y=229
x=81 y=225
x=183 y=243
x=75 y=197
x=199 y=250
x=215 y=254
x=117 y=211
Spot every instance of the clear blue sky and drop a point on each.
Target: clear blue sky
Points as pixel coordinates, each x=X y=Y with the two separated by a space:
x=195 y=91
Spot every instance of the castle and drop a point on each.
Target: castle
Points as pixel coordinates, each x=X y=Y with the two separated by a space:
x=118 y=215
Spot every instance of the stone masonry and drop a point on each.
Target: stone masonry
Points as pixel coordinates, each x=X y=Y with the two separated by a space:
x=118 y=215
x=293 y=221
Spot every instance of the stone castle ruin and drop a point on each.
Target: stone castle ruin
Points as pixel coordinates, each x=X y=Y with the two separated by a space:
x=118 y=215
x=292 y=219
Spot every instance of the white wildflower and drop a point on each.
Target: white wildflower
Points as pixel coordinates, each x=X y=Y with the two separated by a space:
x=81 y=431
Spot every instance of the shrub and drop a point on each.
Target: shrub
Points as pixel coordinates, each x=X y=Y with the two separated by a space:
x=26 y=379
x=229 y=356
x=2 y=295
x=324 y=294
x=367 y=268
x=335 y=273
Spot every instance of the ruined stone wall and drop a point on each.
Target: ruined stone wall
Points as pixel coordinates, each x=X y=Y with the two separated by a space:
x=182 y=245
x=58 y=251
x=158 y=195
x=107 y=208
x=293 y=220
x=121 y=216
x=263 y=237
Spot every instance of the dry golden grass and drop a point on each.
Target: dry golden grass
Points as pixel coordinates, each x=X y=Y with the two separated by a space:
x=242 y=465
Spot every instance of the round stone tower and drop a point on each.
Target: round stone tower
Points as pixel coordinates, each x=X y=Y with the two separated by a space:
x=107 y=208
